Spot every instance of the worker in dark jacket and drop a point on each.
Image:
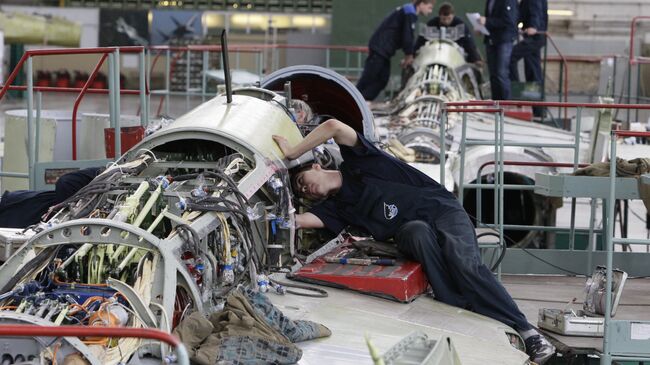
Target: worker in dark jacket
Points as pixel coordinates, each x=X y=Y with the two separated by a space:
x=501 y=21
x=391 y=200
x=23 y=208
x=394 y=32
x=533 y=15
x=447 y=19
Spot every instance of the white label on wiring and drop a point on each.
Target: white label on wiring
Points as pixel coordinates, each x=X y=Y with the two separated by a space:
x=639 y=331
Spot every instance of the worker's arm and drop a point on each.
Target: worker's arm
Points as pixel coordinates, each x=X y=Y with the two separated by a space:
x=468 y=44
x=332 y=128
x=502 y=17
x=308 y=220
x=408 y=41
x=536 y=13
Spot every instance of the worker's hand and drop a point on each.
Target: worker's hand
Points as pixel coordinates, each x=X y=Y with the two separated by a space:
x=530 y=31
x=479 y=63
x=407 y=61
x=282 y=143
x=482 y=20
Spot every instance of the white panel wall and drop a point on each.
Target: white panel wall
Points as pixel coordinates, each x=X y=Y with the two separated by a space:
x=87 y=17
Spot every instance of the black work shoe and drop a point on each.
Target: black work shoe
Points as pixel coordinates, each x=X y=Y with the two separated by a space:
x=539 y=349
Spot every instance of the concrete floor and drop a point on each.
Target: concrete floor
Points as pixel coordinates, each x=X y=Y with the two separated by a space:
x=532 y=292
x=352 y=316
x=477 y=339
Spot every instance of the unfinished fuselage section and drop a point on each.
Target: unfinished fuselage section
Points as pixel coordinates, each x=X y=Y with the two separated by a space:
x=171 y=228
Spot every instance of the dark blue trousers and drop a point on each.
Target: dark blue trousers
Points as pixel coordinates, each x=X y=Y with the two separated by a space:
x=529 y=49
x=374 y=78
x=498 y=59
x=449 y=253
x=22 y=208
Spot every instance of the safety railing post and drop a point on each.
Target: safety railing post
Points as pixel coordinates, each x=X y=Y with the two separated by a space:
x=143 y=88
x=204 y=76
x=168 y=61
x=559 y=109
x=576 y=152
x=111 y=91
x=37 y=125
x=576 y=160
x=638 y=90
x=461 y=179
x=30 y=121
x=495 y=171
x=543 y=86
x=479 y=198
x=147 y=109
x=591 y=240
x=629 y=91
x=501 y=184
x=188 y=60
x=614 y=70
x=606 y=357
x=118 y=119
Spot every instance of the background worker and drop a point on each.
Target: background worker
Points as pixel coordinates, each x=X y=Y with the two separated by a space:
x=533 y=14
x=392 y=200
x=394 y=32
x=23 y=208
x=447 y=19
x=501 y=21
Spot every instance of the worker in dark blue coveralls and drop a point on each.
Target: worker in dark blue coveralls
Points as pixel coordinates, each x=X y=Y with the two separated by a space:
x=23 y=208
x=447 y=19
x=533 y=15
x=394 y=32
x=392 y=200
x=501 y=21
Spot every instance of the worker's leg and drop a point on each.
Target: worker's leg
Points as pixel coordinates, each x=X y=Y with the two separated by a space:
x=374 y=78
x=499 y=66
x=475 y=281
x=518 y=52
x=418 y=241
x=533 y=60
x=533 y=66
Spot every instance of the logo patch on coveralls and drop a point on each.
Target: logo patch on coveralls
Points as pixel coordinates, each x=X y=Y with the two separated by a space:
x=390 y=211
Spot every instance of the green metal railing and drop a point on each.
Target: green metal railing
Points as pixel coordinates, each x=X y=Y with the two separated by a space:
x=499 y=144
x=622 y=340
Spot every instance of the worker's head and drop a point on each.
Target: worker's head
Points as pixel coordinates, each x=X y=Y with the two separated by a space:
x=446 y=14
x=424 y=7
x=301 y=111
x=311 y=182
